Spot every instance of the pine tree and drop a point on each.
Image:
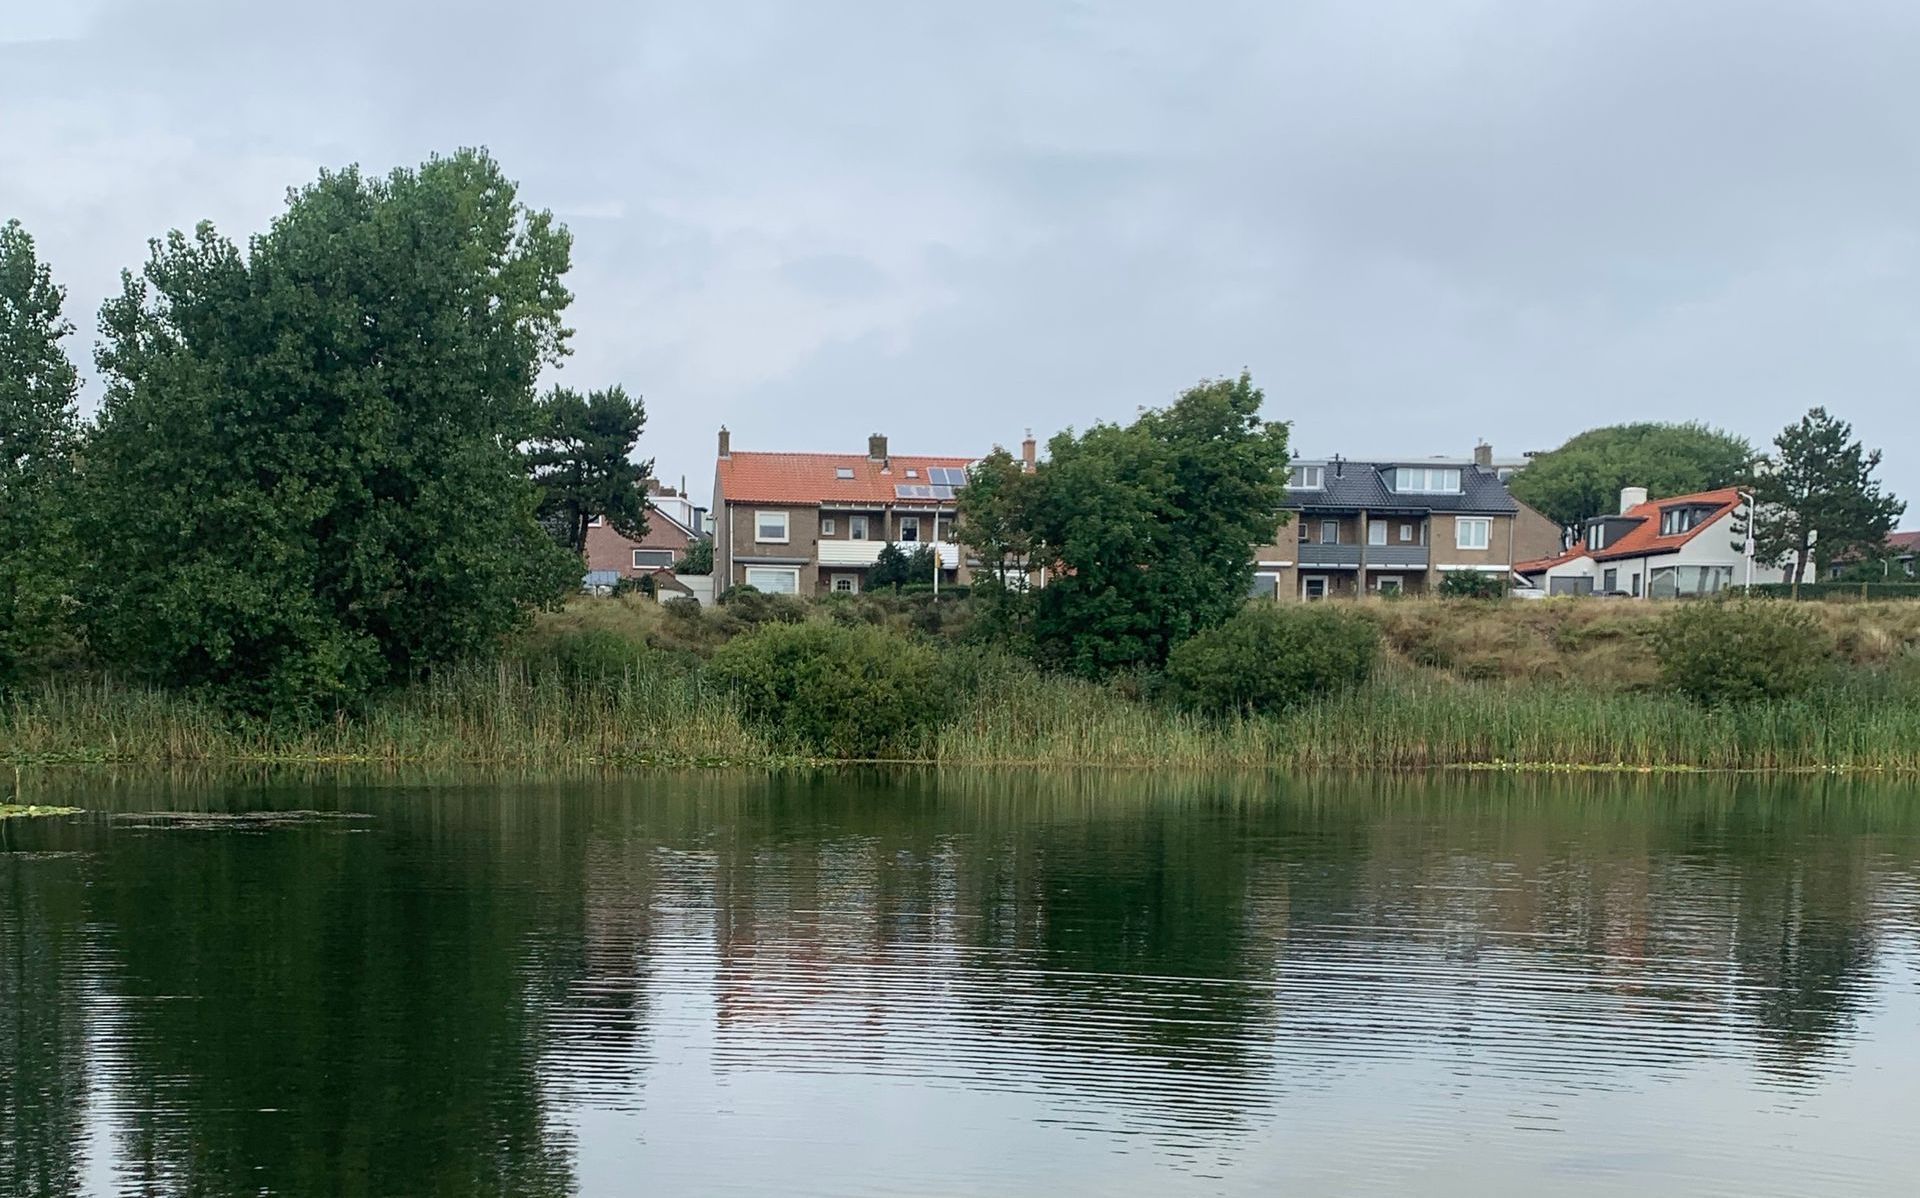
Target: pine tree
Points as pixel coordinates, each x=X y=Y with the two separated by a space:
x=1816 y=500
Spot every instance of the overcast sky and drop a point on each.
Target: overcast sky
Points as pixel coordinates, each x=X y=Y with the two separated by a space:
x=1419 y=222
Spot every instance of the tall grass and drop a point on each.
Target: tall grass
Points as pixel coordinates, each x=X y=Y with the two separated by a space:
x=613 y=684
x=512 y=715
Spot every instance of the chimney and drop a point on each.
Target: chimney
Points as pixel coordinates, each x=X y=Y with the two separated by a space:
x=1029 y=453
x=726 y=442
x=1483 y=455
x=1631 y=497
x=877 y=447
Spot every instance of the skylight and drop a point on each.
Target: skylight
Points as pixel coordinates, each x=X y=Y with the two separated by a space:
x=843 y=471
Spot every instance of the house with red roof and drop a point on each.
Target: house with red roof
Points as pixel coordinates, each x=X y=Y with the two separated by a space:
x=815 y=523
x=1677 y=547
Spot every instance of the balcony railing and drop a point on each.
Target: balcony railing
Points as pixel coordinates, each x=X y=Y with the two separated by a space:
x=1378 y=556
x=866 y=553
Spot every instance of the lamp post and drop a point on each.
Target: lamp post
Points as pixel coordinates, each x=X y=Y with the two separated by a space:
x=1748 y=539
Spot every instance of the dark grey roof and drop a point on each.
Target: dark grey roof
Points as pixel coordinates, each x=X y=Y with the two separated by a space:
x=1359 y=485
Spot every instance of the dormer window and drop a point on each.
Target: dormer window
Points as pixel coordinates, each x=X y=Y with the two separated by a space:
x=1677 y=520
x=1307 y=478
x=1425 y=480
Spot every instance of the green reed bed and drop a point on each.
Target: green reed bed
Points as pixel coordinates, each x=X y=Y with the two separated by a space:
x=514 y=714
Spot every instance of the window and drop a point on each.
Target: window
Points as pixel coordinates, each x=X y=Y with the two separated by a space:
x=1305 y=533
x=774 y=581
x=1307 y=478
x=1609 y=581
x=1634 y=584
x=770 y=526
x=1472 y=532
x=1426 y=480
x=1388 y=585
x=909 y=528
x=1266 y=585
x=1675 y=521
x=846 y=584
x=1329 y=533
x=1406 y=534
x=1376 y=533
x=1313 y=588
x=843 y=472
x=595 y=521
x=1596 y=536
x=857 y=528
x=652 y=559
x=827 y=526
x=912 y=473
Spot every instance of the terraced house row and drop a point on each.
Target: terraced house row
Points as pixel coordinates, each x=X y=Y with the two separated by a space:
x=815 y=523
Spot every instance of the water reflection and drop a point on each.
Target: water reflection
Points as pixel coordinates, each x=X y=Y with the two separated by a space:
x=539 y=987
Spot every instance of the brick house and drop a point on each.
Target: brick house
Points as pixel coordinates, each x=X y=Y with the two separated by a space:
x=674 y=522
x=814 y=523
x=1387 y=527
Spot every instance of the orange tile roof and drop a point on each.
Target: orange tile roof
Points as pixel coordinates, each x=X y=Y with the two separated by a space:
x=1644 y=540
x=810 y=478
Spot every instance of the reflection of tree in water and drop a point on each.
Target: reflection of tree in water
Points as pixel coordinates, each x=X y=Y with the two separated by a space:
x=308 y=1011
x=42 y=1024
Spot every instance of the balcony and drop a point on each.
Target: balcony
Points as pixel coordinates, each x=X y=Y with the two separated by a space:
x=1347 y=557
x=865 y=553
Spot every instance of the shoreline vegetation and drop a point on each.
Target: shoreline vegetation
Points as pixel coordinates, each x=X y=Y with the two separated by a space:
x=1555 y=685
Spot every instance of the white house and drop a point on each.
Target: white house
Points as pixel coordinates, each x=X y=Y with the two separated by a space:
x=1656 y=549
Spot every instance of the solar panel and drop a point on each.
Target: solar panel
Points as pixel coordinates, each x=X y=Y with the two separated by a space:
x=912 y=491
x=941 y=492
x=947 y=476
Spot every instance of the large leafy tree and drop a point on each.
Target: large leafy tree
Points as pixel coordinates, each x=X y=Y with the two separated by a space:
x=896 y=567
x=582 y=460
x=1148 y=530
x=307 y=479
x=1816 y=501
x=993 y=516
x=38 y=385
x=1584 y=477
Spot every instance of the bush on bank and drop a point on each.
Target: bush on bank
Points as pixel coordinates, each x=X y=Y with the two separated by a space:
x=1269 y=657
x=834 y=689
x=1742 y=651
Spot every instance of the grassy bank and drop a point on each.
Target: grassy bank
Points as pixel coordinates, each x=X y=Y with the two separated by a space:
x=1562 y=685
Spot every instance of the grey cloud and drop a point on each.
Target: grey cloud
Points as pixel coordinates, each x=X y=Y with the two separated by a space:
x=1418 y=223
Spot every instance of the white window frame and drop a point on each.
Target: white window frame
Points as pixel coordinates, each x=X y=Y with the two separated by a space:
x=760 y=521
x=910 y=523
x=1325 y=526
x=827 y=526
x=765 y=571
x=595 y=521
x=843 y=473
x=856 y=528
x=1390 y=584
x=1306 y=583
x=1377 y=533
x=1426 y=480
x=1406 y=533
x=1462 y=523
x=1307 y=478
x=640 y=565
x=852 y=582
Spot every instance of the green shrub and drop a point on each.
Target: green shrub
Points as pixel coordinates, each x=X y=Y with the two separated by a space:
x=682 y=608
x=590 y=655
x=1472 y=584
x=1273 y=656
x=835 y=690
x=1841 y=590
x=1741 y=651
x=754 y=607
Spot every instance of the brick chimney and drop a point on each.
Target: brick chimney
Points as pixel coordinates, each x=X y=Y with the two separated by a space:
x=1483 y=455
x=1029 y=452
x=726 y=442
x=877 y=447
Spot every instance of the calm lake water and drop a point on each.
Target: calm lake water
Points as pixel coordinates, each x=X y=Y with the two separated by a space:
x=960 y=984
